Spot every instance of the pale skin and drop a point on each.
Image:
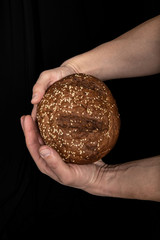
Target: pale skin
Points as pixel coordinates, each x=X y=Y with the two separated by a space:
x=135 y=53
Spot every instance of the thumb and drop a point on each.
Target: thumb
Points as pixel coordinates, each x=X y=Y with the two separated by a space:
x=49 y=155
x=56 y=164
x=45 y=151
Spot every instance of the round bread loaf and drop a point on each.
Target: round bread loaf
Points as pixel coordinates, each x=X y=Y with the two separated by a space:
x=79 y=118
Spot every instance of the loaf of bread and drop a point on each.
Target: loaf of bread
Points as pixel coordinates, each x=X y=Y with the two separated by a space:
x=79 y=118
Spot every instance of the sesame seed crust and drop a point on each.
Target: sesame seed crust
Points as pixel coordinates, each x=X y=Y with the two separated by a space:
x=79 y=118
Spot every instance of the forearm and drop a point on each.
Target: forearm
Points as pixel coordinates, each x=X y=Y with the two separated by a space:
x=134 y=180
x=135 y=53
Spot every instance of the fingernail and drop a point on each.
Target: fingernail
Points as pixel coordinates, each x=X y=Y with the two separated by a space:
x=45 y=152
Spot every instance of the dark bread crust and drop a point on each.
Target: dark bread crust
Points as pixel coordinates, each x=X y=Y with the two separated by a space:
x=79 y=118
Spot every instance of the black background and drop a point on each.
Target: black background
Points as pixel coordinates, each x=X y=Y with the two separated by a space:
x=39 y=35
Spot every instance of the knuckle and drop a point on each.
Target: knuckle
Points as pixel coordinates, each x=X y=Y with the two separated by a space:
x=66 y=180
x=38 y=87
x=35 y=87
x=43 y=168
x=42 y=81
x=44 y=74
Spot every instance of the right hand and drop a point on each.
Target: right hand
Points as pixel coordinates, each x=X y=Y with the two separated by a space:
x=88 y=177
x=46 y=79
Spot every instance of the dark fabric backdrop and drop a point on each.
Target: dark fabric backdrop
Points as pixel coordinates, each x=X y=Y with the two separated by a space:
x=36 y=35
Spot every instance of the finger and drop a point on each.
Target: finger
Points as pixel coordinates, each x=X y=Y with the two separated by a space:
x=32 y=142
x=63 y=172
x=33 y=115
x=31 y=135
x=99 y=163
x=34 y=112
x=38 y=92
x=45 y=79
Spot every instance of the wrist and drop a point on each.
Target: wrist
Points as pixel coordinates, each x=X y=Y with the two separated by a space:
x=70 y=66
x=104 y=182
x=84 y=63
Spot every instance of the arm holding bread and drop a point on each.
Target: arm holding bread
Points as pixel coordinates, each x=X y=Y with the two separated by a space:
x=135 y=53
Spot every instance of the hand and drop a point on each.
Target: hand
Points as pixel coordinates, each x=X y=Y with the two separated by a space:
x=86 y=177
x=46 y=79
